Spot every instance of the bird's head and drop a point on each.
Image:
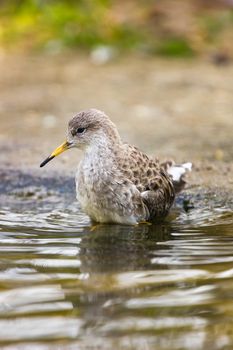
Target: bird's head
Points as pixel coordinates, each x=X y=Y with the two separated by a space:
x=87 y=129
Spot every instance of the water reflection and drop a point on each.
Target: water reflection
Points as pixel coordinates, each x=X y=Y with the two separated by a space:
x=164 y=286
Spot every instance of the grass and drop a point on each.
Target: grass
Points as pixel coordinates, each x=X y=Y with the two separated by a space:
x=41 y=24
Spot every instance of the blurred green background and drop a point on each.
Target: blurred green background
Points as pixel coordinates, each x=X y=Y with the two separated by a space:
x=164 y=27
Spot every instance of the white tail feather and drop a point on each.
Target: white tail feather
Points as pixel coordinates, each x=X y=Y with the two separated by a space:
x=177 y=171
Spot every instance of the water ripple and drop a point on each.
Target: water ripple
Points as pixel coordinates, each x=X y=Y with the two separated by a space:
x=62 y=281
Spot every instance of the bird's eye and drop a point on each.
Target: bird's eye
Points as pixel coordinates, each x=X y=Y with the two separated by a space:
x=80 y=130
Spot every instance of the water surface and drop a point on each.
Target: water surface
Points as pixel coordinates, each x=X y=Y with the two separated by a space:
x=65 y=284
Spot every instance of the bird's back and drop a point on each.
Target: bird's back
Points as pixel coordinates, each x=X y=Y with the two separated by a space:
x=150 y=178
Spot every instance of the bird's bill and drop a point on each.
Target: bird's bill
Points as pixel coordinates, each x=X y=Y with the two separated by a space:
x=60 y=149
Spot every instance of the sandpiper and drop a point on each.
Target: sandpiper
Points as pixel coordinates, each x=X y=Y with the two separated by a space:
x=116 y=182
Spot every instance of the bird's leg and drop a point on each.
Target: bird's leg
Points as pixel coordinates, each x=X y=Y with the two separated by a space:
x=145 y=223
x=94 y=226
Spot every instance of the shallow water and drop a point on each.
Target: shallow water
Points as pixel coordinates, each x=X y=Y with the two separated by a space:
x=65 y=284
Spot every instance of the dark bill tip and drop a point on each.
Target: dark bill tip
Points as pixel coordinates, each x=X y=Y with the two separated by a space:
x=46 y=161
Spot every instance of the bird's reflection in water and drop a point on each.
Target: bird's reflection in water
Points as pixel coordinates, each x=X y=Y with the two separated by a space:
x=106 y=254
x=115 y=248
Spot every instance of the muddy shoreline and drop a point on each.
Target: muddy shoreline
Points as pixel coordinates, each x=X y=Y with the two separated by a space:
x=170 y=109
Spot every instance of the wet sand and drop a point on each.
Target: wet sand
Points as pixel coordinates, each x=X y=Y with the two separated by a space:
x=172 y=109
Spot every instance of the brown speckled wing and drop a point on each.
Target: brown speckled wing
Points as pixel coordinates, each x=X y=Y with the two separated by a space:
x=149 y=177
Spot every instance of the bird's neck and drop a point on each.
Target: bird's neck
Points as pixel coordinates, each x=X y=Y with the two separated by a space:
x=100 y=157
